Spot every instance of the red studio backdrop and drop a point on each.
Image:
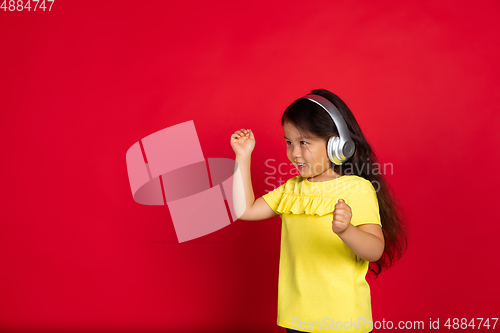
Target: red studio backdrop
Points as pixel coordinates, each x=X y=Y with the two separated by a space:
x=82 y=82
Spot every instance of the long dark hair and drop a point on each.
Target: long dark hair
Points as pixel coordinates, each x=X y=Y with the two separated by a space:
x=312 y=119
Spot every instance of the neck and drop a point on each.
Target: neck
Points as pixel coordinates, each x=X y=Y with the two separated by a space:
x=328 y=174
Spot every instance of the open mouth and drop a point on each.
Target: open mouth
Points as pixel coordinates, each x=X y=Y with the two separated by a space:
x=301 y=165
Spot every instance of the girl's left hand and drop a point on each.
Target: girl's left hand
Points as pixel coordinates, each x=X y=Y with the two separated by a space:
x=341 y=217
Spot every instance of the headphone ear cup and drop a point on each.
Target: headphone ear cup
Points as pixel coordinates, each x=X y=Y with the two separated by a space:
x=333 y=150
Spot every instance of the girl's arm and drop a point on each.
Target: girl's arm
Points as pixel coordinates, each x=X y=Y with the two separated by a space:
x=245 y=206
x=243 y=196
x=366 y=240
x=244 y=203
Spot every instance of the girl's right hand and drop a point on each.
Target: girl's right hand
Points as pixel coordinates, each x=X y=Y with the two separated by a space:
x=243 y=142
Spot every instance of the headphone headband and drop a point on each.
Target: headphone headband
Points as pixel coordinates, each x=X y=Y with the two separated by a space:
x=344 y=146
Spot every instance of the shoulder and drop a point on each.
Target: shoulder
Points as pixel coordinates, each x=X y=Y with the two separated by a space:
x=355 y=179
x=363 y=183
x=362 y=190
x=358 y=183
x=294 y=181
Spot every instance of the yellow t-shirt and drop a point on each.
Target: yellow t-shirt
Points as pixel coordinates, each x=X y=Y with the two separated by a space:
x=322 y=285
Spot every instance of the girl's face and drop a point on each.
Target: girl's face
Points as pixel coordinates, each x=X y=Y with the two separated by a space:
x=308 y=150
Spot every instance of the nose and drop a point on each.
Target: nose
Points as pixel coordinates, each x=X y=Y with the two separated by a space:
x=296 y=151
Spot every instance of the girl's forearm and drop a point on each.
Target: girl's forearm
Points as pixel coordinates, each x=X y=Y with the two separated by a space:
x=365 y=245
x=243 y=196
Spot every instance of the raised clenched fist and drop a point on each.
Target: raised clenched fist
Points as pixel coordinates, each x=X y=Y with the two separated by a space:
x=341 y=217
x=243 y=141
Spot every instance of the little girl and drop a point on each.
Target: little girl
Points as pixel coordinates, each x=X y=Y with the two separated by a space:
x=338 y=217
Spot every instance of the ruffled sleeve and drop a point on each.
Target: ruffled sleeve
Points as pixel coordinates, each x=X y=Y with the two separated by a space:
x=273 y=198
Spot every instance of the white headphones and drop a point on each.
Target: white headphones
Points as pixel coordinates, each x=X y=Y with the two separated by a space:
x=339 y=149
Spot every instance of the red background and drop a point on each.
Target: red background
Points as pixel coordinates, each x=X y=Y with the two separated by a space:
x=80 y=84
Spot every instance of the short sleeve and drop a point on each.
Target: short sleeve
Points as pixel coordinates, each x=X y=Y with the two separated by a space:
x=364 y=204
x=273 y=198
